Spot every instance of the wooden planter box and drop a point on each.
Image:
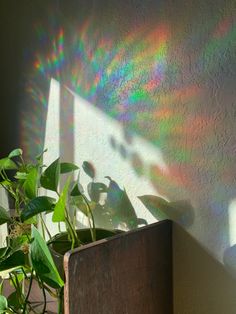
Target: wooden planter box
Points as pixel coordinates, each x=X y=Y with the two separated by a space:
x=130 y=273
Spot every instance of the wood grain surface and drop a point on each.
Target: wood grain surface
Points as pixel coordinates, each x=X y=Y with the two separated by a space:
x=130 y=273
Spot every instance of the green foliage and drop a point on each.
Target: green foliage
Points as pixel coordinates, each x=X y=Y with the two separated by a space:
x=42 y=261
x=15 y=153
x=3 y=251
x=13 y=301
x=76 y=190
x=14 y=260
x=31 y=183
x=67 y=167
x=37 y=205
x=26 y=257
x=59 y=213
x=50 y=177
x=7 y=164
x=4 y=216
x=3 y=304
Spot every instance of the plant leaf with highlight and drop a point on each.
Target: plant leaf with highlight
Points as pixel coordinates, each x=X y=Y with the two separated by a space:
x=37 y=205
x=50 y=177
x=42 y=261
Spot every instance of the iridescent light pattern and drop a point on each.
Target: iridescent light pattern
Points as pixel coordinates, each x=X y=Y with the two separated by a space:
x=136 y=57
x=48 y=62
x=153 y=79
x=52 y=63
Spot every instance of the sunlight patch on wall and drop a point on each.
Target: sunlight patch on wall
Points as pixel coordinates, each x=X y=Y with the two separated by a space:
x=232 y=222
x=95 y=137
x=126 y=158
x=52 y=139
x=52 y=132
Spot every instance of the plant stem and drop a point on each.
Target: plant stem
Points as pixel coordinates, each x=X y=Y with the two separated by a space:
x=45 y=287
x=73 y=233
x=41 y=286
x=45 y=226
x=28 y=293
x=42 y=226
x=49 y=291
x=11 y=310
x=23 y=271
x=22 y=160
x=32 y=309
x=70 y=228
x=17 y=288
x=44 y=298
x=4 y=175
x=90 y=213
x=60 y=299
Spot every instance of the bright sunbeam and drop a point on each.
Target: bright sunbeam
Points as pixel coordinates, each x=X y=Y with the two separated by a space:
x=52 y=132
x=52 y=138
x=232 y=222
x=100 y=139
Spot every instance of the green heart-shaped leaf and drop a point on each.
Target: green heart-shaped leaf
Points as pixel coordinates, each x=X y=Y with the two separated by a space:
x=77 y=190
x=15 y=153
x=37 y=205
x=50 y=177
x=7 y=164
x=31 y=183
x=68 y=167
x=59 y=211
x=16 y=259
x=42 y=261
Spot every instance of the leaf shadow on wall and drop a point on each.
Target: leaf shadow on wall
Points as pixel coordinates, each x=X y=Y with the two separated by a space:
x=110 y=204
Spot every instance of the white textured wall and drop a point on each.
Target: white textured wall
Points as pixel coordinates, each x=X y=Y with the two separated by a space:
x=157 y=78
x=159 y=81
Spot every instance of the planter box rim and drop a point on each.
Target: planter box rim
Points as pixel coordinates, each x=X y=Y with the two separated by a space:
x=69 y=253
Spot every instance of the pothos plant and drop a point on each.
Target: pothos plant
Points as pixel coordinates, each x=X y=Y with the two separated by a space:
x=26 y=258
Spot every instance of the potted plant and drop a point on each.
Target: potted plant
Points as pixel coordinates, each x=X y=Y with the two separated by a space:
x=31 y=254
